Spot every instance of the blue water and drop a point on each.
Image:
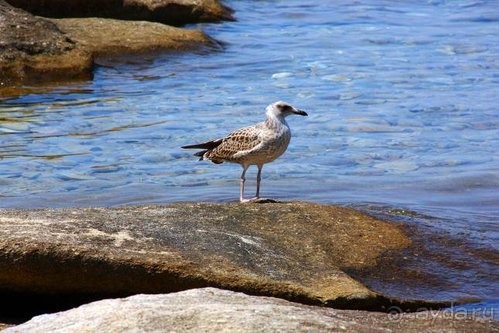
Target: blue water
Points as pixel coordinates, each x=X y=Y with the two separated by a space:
x=403 y=104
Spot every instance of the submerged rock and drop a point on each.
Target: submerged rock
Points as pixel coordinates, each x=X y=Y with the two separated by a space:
x=172 y=12
x=297 y=251
x=33 y=48
x=215 y=310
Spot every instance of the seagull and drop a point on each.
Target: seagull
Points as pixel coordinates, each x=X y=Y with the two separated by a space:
x=253 y=145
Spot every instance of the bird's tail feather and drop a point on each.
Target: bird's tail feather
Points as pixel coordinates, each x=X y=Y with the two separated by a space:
x=205 y=145
x=201 y=154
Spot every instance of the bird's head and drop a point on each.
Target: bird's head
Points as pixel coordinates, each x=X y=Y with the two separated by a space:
x=283 y=109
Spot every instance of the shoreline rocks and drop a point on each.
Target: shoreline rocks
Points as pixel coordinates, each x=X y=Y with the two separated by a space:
x=36 y=49
x=171 y=12
x=56 y=259
x=215 y=310
x=33 y=48
x=297 y=251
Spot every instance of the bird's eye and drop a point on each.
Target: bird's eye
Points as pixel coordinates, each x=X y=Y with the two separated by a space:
x=284 y=107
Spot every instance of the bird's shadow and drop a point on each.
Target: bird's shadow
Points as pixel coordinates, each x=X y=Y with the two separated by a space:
x=264 y=201
x=261 y=201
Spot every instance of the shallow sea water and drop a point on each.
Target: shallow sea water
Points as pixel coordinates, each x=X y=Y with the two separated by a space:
x=403 y=113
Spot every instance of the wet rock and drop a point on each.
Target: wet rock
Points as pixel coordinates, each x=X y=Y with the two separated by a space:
x=215 y=310
x=103 y=37
x=33 y=48
x=172 y=12
x=296 y=251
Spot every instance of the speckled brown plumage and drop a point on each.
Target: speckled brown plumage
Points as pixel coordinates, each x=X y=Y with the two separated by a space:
x=243 y=139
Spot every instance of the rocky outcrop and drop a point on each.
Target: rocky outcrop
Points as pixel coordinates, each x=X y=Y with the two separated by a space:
x=215 y=310
x=296 y=251
x=172 y=12
x=33 y=48
x=104 y=37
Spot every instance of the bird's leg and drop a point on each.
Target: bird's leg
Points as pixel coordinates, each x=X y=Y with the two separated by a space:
x=258 y=179
x=241 y=187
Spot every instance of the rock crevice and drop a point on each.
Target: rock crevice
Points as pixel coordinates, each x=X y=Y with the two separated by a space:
x=215 y=310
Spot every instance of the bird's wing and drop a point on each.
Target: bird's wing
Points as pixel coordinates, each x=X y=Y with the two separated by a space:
x=237 y=142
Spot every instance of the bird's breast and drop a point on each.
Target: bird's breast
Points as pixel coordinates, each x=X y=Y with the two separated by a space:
x=274 y=144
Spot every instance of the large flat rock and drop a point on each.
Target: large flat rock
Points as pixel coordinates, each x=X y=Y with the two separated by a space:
x=172 y=12
x=103 y=37
x=297 y=251
x=215 y=310
x=33 y=48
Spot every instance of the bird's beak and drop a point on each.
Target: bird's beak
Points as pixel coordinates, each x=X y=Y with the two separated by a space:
x=300 y=112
